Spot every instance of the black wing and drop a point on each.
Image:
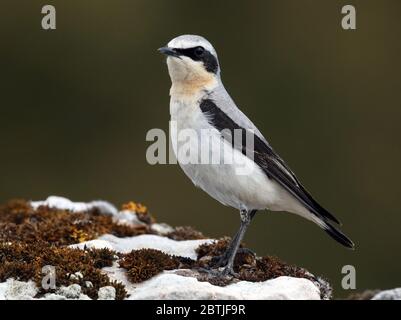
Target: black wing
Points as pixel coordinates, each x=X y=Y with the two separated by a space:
x=266 y=158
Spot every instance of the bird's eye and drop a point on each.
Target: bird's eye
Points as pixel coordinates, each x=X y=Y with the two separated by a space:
x=199 y=51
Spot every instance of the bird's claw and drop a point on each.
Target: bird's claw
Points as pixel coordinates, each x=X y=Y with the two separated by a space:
x=221 y=261
x=229 y=271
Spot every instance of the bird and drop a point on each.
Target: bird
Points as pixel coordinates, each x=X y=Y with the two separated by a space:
x=200 y=103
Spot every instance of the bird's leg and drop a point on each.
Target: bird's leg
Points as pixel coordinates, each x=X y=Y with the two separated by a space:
x=246 y=218
x=223 y=259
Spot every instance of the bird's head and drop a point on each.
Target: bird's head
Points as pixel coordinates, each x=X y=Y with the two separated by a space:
x=192 y=60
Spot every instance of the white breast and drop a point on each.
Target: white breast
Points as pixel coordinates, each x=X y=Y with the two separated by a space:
x=222 y=181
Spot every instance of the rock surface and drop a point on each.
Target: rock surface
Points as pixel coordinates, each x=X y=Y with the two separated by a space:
x=62 y=203
x=394 y=294
x=172 y=284
x=17 y=290
x=72 y=292
x=107 y=293
x=179 y=248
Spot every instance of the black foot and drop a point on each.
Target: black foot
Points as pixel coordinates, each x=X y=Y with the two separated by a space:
x=229 y=271
x=221 y=261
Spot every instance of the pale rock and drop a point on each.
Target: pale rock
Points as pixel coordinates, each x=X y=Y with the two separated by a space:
x=53 y=296
x=172 y=287
x=3 y=289
x=76 y=276
x=18 y=290
x=161 y=228
x=393 y=294
x=106 y=293
x=123 y=245
x=71 y=292
x=127 y=217
x=55 y=202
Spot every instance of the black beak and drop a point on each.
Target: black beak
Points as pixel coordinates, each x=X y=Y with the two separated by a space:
x=169 y=52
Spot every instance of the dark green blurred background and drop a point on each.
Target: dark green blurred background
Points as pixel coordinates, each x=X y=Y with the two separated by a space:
x=76 y=104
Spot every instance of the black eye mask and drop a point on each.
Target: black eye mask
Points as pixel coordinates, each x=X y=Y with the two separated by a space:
x=200 y=54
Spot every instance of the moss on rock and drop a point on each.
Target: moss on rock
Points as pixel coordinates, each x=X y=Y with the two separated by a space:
x=33 y=238
x=185 y=233
x=22 y=261
x=143 y=264
x=20 y=222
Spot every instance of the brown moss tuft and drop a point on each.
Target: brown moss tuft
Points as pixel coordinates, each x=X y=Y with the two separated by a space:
x=143 y=264
x=101 y=258
x=20 y=222
x=247 y=266
x=214 y=249
x=185 y=233
x=25 y=262
x=270 y=267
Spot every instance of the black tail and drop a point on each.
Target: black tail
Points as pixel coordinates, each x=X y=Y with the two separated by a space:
x=338 y=236
x=317 y=209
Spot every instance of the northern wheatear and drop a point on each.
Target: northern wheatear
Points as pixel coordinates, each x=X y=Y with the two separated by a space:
x=200 y=102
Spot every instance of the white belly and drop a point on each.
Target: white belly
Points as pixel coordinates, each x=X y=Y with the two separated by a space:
x=225 y=182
